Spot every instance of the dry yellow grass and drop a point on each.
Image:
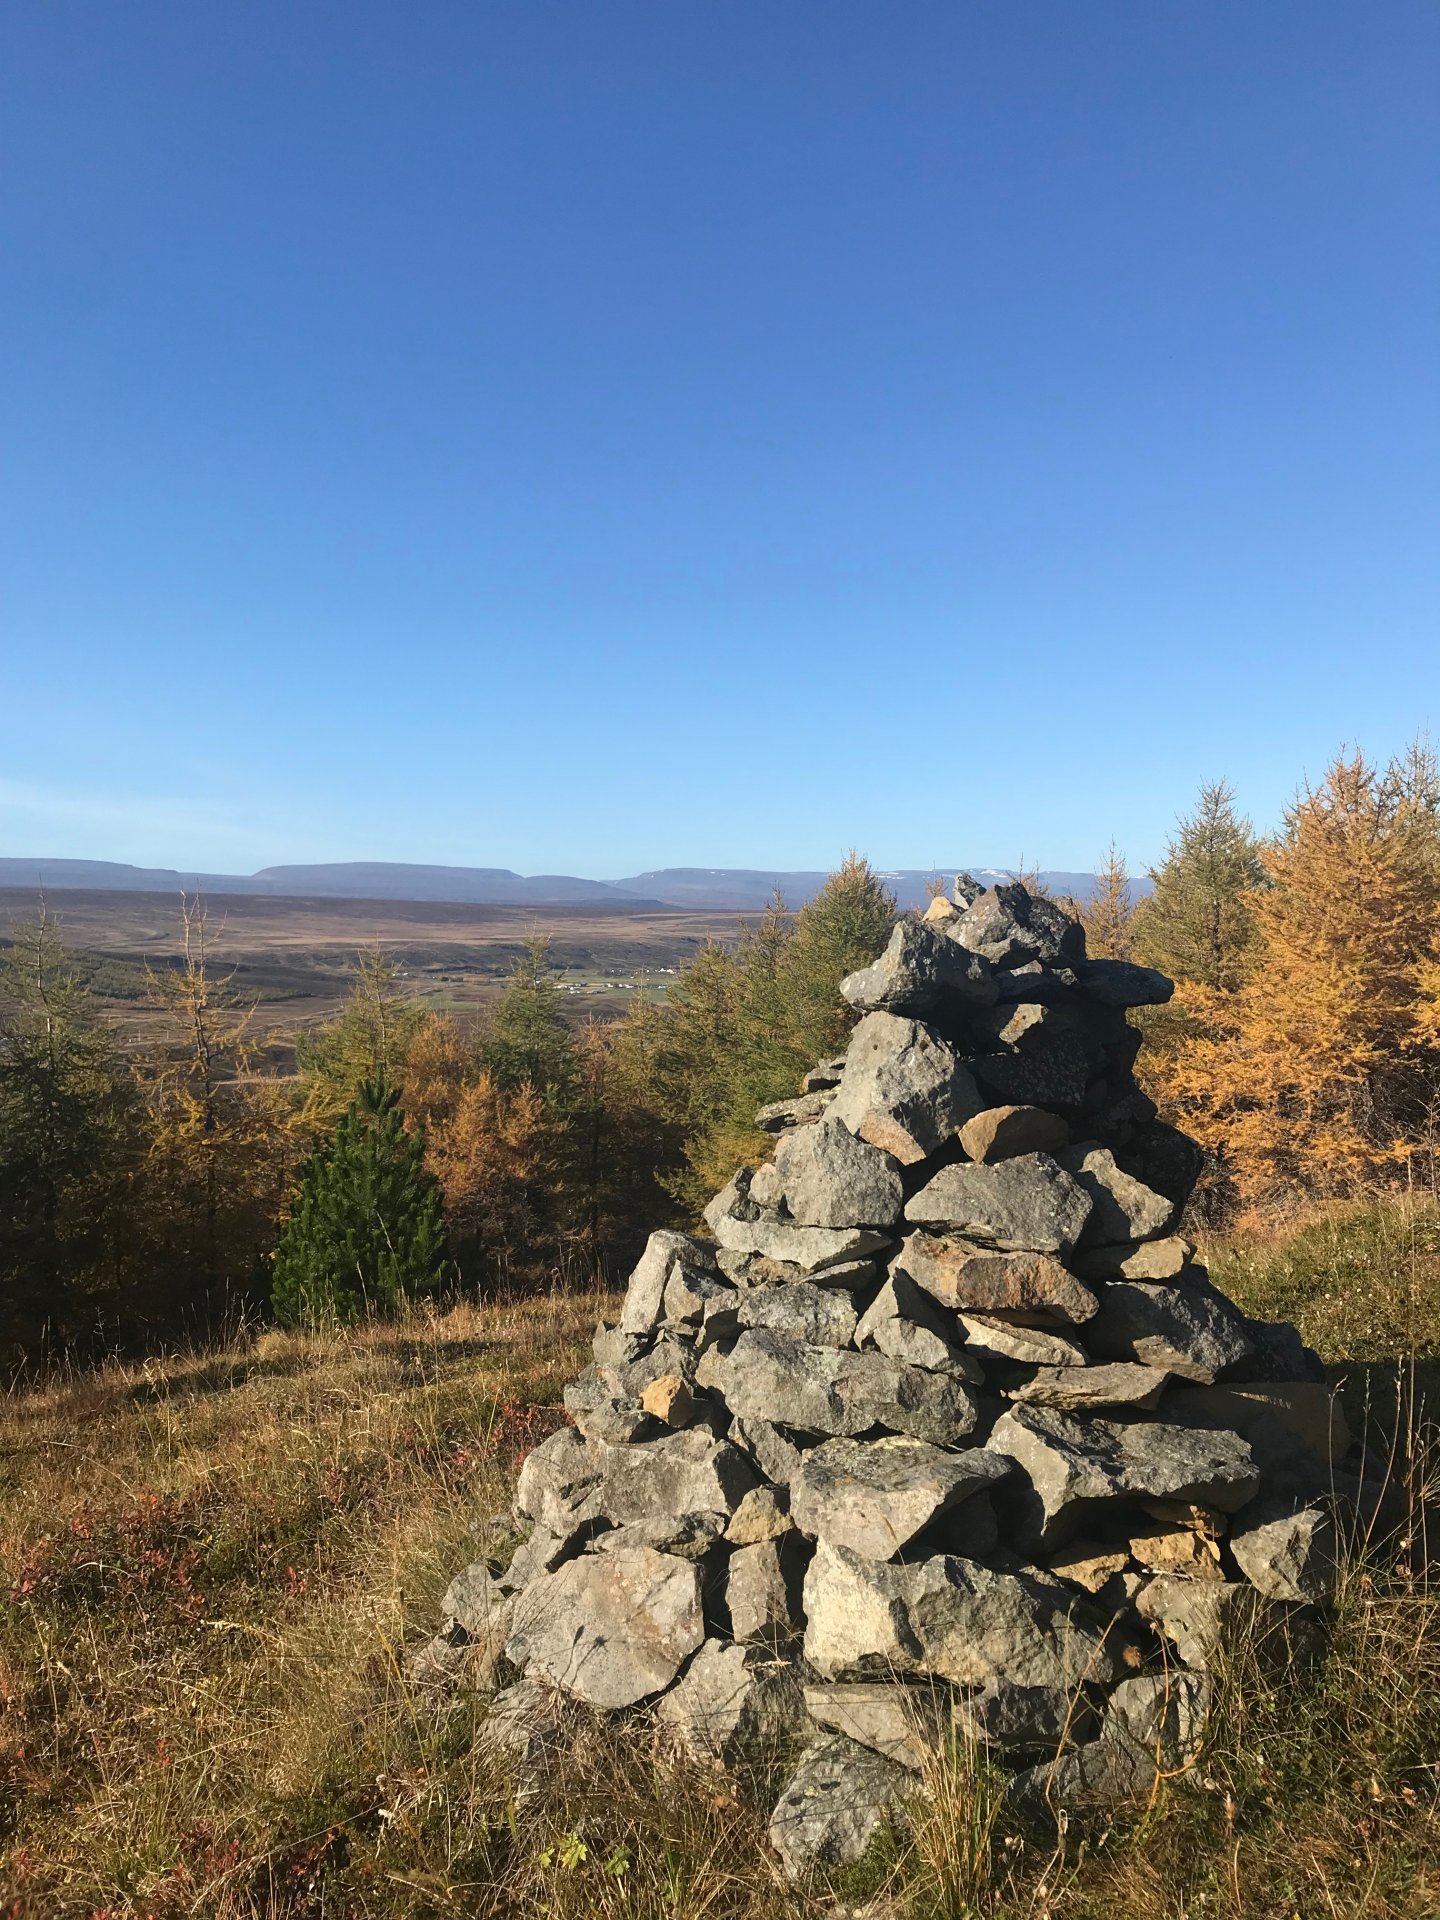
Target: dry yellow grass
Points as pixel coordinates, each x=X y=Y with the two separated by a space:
x=211 y=1569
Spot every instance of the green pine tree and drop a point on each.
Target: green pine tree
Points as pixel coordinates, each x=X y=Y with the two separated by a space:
x=527 y=1037
x=366 y=1230
x=368 y=1039
x=1197 y=925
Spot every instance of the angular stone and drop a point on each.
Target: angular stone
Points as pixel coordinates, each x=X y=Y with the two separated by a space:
x=669 y=1400
x=474 y=1600
x=875 y=1496
x=1190 y=1331
x=903 y=1089
x=1053 y=1076
x=1025 y=1720
x=776 y=1455
x=1000 y=1133
x=750 y=1270
x=1164 y=1159
x=741 y=1227
x=689 y=1291
x=646 y=1292
x=668 y=1354
x=825 y=1076
x=1193 y=1615
x=906 y=1724
x=1304 y=1412
x=688 y=1472
x=603 y=1415
x=1029 y=1204
x=1074 y=1464
x=762 y=1590
x=820 y=1316
x=939 y=911
x=764 y=1514
x=611 y=1628
x=525 y=1725
x=1117 y=983
x=820 y=1390
x=949 y=1617
x=559 y=1484
x=902 y=1323
x=840 y=1797
x=1010 y=926
x=1136 y=1260
x=829 y=1178
x=732 y=1704
x=1165 y=1715
x=1032 y=1346
x=1287 y=1555
x=541 y=1553
x=1120 y=1384
x=1123 y=1209
x=1102 y=1773
x=962 y=1275
x=689 y=1536
x=612 y=1348
x=1174 y=1548
x=781 y=1115
x=919 y=970
x=1088 y=1565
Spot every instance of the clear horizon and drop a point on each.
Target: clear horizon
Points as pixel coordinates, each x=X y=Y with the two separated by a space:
x=590 y=441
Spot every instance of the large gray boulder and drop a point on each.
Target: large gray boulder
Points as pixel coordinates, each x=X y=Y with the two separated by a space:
x=820 y=1390
x=840 y=1798
x=1118 y=983
x=1192 y=1332
x=1123 y=1209
x=948 y=1617
x=1010 y=926
x=559 y=1484
x=610 y=1628
x=762 y=1590
x=686 y=1472
x=1029 y=1204
x=903 y=1089
x=875 y=1496
x=920 y=970
x=1073 y=1465
x=829 y=1178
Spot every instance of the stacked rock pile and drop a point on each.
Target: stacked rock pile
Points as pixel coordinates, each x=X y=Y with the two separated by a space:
x=945 y=1431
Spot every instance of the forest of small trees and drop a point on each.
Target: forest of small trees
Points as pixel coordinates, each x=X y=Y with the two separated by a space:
x=152 y=1196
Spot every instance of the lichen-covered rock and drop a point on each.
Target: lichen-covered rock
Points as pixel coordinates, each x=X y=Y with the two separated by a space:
x=804 y=1310
x=839 y=1798
x=732 y=1704
x=644 y=1297
x=1010 y=926
x=975 y=1279
x=903 y=1088
x=875 y=1496
x=820 y=1390
x=689 y=1472
x=1190 y=1331
x=828 y=1177
x=762 y=1590
x=1026 y=1205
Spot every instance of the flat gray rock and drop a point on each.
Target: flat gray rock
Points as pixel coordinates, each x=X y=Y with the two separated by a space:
x=690 y=1292
x=689 y=1536
x=1123 y=1209
x=961 y=1275
x=840 y=1797
x=740 y=1226
x=875 y=1496
x=1118 y=983
x=903 y=1088
x=948 y=1617
x=774 y=1452
x=820 y=1390
x=1009 y=1340
x=1287 y=1555
x=1025 y=1720
x=1121 y=1383
x=1189 y=1331
x=1074 y=1462
x=820 y=1316
x=689 y=1472
x=1029 y=1204
x=830 y=1178
x=610 y=1628
x=733 y=1704
x=919 y=971
x=1136 y=1260
x=904 y=1324
x=781 y=1115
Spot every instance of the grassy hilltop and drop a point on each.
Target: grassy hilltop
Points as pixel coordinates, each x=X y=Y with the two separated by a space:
x=214 y=1568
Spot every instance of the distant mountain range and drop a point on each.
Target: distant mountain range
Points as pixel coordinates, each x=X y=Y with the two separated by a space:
x=715 y=888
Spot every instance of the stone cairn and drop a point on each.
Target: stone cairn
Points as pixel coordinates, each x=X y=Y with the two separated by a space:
x=945 y=1433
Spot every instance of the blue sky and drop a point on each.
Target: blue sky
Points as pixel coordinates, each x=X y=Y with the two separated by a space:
x=590 y=437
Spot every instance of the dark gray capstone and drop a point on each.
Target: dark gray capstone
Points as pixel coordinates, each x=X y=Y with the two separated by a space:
x=919 y=971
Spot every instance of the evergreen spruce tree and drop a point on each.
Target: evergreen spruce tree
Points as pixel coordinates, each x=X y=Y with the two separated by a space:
x=1199 y=925
x=370 y=1038
x=527 y=1038
x=366 y=1230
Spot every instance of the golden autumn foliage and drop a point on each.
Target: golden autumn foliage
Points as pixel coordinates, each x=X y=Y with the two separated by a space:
x=1318 y=1074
